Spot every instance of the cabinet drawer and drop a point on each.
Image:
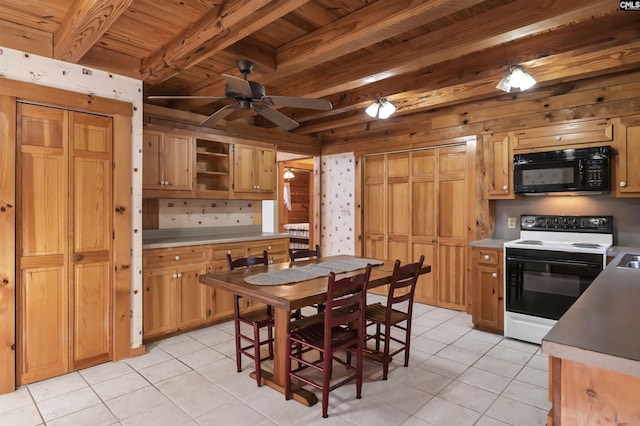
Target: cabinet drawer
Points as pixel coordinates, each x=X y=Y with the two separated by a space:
x=272 y=246
x=219 y=252
x=586 y=132
x=169 y=257
x=488 y=257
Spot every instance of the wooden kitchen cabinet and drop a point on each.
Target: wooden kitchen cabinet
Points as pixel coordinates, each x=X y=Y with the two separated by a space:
x=173 y=298
x=167 y=168
x=487 y=305
x=571 y=135
x=497 y=149
x=626 y=173
x=213 y=169
x=220 y=302
x=254 y=172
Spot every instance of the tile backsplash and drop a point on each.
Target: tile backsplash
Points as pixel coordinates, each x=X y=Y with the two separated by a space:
x=208 y=213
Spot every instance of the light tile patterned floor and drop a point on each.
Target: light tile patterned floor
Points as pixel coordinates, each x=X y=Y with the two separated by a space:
x=457 y=376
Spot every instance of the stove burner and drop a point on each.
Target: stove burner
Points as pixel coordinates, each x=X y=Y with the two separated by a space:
x=586 y=245
x=533 y=242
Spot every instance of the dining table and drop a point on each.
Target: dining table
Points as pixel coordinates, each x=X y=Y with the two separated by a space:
x=285 y=297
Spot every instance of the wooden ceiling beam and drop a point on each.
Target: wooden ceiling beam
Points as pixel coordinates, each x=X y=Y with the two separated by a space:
x=84 y=25
x=488 y=64
x=368 y=25
x=513 y=21
x=215 y=31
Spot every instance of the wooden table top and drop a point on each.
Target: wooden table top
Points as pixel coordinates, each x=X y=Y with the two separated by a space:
x=296 y=295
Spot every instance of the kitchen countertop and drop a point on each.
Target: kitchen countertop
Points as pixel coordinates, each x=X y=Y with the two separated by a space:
x=164 y=238
x=488 y=243
x=602 y=327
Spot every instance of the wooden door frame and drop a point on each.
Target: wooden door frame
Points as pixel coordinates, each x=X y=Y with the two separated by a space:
x=122 y=112
x=314 y=200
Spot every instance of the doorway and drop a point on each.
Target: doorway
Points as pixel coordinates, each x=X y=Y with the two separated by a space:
x=297 y=202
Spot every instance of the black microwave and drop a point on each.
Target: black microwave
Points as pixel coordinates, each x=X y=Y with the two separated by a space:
x=580 y=170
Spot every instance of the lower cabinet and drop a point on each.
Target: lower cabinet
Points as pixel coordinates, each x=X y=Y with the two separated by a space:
x=173 y=298
x=487 y=305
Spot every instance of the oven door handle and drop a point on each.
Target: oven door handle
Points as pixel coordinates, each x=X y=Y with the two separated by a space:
x=563 y=262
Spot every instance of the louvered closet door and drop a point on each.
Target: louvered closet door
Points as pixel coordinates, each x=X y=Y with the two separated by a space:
x=91 y=328
x=42 y=243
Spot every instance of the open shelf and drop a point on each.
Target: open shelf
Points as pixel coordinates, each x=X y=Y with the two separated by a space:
x=212 y=167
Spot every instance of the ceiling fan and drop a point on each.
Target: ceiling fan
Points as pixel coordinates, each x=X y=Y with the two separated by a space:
x=251 y=95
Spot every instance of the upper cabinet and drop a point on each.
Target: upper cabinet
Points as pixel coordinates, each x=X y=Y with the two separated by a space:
x=497 y=150
x=167 y=166
x=626 y=176
x=254 y=172
x=186 y=164
x=592 y=132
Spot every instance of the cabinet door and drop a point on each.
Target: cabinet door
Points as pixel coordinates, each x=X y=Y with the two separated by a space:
x=488 y=302
x=151 y=157
x=266 y=177
x=451 y=275
x=177 y=162
x=243 y=168
x=192 y=302
x=221 y=301
x=627 y=160
x=159 y=302
x=498 y=166
x=426 y=289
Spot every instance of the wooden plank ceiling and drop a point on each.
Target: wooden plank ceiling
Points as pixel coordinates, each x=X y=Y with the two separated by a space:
x=421 y=55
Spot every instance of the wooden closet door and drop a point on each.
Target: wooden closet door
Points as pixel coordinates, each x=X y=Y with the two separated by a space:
x=42 y=336
x=91 y=328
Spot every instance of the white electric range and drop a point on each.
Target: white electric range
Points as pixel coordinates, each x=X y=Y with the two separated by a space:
x=552 y=263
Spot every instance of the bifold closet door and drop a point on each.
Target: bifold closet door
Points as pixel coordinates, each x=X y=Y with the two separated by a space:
x=64 y=239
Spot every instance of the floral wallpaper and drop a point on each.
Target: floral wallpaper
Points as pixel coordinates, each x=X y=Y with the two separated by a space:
x=23 y=66
x=208 y=213
x=336 y=204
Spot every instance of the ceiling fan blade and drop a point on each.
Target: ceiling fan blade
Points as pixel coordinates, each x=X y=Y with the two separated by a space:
x=219 y=114
x=309 y=103
x=239 y=85
x=276 y=117
x=184 y=97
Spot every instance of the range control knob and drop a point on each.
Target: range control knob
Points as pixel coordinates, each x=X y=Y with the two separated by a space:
x=555 y=221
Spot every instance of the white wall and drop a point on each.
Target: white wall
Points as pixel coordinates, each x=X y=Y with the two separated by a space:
x=22 y=66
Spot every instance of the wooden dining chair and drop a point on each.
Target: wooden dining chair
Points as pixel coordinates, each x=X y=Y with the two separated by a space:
x=256 y=318
x=396 y=314
x=299 y=254
x=329 y=333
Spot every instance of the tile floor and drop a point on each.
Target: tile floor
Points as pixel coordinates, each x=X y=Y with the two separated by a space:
x=456 y=376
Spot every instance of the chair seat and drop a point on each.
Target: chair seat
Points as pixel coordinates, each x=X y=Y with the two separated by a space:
x=377 y=312
x=262 y=317
x=313 y=335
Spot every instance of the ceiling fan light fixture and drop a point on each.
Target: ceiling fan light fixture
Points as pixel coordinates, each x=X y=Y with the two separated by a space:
x=381 y=108
x=516 y=77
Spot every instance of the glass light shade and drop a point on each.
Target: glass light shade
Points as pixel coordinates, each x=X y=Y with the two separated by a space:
x=381 y=109
x=516 y=77
x=288 y=174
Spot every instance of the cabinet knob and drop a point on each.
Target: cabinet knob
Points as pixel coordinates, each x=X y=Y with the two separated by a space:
x=257 y=186
x=161 y=182
x=166 y=182
x=623 y=184
x=486 y=257
x=228 y=251
x=177 y=257
x=268 y=247
x=494 y=275
x=505 y=187
x=175 y=275
x=179 y=274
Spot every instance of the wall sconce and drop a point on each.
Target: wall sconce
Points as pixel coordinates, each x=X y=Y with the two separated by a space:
x=288 y=174
x=516 y=77
x=381 y=108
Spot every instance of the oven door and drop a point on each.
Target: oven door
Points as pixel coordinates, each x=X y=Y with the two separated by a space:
x=545 y=283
